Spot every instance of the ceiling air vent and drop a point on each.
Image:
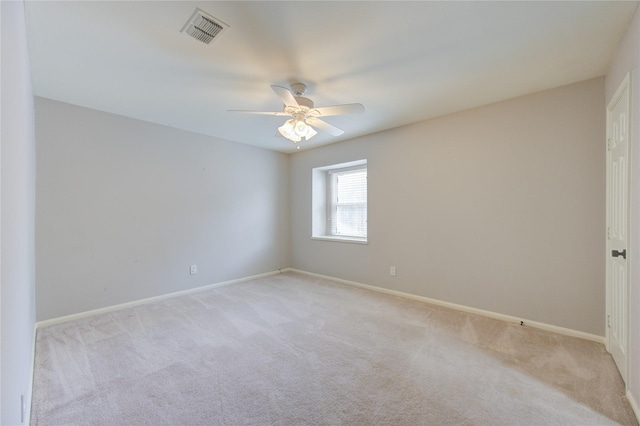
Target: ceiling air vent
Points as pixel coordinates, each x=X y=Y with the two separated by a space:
x=204 y=27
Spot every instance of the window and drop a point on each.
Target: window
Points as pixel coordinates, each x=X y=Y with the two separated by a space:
x=340 y=202
x=348 y=202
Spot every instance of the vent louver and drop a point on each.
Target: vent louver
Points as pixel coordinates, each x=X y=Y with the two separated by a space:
x=204 y=27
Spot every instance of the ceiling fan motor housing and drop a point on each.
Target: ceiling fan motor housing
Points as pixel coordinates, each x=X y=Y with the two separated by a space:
x=302 y=101
x=298 y=88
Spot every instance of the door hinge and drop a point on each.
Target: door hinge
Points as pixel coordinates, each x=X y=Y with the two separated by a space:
x=608 y=321
x=609 y=144
x=608 y=232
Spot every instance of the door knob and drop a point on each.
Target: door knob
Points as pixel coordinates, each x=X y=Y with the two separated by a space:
x=616 y=253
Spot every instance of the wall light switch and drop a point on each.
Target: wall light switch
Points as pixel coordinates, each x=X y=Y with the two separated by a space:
x=392 y=271
x=194 y=269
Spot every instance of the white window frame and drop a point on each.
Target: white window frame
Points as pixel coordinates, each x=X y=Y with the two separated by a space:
x=322 y=205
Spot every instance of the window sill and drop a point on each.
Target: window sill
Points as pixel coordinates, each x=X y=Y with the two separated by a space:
x=337 y=239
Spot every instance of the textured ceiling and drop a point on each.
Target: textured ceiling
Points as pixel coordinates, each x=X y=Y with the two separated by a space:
x=404 y=61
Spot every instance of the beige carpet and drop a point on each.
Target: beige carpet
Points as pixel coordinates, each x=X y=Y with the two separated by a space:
x=295 y=350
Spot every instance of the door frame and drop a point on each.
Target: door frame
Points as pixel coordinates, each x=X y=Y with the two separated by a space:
x=625 y=85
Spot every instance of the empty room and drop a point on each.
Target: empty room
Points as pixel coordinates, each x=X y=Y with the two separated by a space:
x=320 y=213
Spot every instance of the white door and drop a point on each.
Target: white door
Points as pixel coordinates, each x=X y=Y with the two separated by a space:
x=618 y=225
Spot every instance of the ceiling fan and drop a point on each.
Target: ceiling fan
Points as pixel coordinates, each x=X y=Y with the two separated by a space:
x=305 y=116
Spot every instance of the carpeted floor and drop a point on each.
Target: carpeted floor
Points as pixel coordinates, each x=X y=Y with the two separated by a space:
x=295 y=350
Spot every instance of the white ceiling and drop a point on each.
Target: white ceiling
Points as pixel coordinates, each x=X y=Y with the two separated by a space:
x=404 y=61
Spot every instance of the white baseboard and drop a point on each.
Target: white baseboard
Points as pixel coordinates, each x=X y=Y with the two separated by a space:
x=463 y=308
x=67 y=318
x=634 y=405
x=489 y=314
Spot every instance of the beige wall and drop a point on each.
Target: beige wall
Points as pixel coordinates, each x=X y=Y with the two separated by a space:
x=627 y=59
x=124 y=207
x=500 y=208
x=17 y=225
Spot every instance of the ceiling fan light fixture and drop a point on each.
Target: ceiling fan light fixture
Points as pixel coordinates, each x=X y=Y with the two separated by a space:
x=296 y=129
x=310 y=132
x=288 y=131
x=300 y=128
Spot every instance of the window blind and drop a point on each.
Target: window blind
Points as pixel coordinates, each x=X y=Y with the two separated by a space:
x=348 y=207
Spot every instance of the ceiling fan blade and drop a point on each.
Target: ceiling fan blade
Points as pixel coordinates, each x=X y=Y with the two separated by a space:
x=276 y=113
x=286 y=96
x=340 y=109
x=323 y=125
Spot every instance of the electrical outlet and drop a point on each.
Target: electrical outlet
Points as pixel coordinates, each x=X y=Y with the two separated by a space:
x=392 y=271
x=194 y=269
